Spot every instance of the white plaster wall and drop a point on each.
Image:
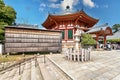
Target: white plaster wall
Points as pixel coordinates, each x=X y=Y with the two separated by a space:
x=1 y=48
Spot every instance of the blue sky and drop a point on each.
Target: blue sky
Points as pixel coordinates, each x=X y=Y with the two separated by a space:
x=36 y=11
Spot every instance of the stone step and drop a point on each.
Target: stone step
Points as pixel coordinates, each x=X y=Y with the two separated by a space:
x=55 y=72
x=1 y=75
x=117 y=77
x=27 y=70
x=39 y=74
x=46 y=75
x=33 y=70
x=59 y=72
x=16 y=76
x=12 y=73
x=4 y=75
x=22 y=67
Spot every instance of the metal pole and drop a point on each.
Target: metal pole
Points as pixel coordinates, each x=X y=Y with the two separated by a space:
x=44 y=58
x=3 y=65
x=19 y=68
x=35 y=61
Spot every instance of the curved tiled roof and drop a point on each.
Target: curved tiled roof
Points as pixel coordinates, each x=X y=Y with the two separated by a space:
x=81 y=16
x=98 y=28
x=101 y=30
x=114 y=36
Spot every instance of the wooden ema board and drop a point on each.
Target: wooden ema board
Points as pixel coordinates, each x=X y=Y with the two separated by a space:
x=32 y=40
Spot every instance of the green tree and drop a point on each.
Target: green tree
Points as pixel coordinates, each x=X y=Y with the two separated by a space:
x=87 y=40
x=114 y=40
x=7 y=17
x=115 y=28
x=1 y=4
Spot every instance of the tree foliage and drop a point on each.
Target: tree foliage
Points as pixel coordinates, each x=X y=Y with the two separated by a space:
x=87 y=40
x=115 y=28
x=114 y=40
x=7 y=17
x=1 y=4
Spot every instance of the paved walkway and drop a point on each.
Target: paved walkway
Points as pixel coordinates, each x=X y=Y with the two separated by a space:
x=104 y=65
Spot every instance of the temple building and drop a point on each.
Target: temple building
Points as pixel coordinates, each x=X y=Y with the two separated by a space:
x=99 y=33
x=68 y=23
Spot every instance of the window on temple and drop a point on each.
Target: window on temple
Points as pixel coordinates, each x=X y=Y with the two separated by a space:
x=63 y=34
x=70 y=34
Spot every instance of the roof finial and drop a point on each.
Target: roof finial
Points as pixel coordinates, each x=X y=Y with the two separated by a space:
x=67 y=10
x=67 y=7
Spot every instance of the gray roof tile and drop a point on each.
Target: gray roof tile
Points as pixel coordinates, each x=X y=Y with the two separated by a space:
x=98 y=28
x=114 y=36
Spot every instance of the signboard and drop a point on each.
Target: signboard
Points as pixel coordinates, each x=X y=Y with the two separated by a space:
x=19 y=39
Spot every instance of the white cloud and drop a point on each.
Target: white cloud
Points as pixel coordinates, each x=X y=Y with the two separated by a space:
x=105 y=6
x=101 y=6
x=64 y=3
x=53 y=5
x=42 y=6
x=75 y=2
x=89 y=3
x=97 y=6
x=53 y=0
x=71 y=3
x=61 y=5
x=41 y=9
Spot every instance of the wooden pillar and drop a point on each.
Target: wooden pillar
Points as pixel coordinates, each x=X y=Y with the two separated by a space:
x=66 y=34
x=104 y=40
x=97 y=46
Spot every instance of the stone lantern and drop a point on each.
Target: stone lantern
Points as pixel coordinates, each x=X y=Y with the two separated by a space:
x=77 y=36
x=77 y=40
